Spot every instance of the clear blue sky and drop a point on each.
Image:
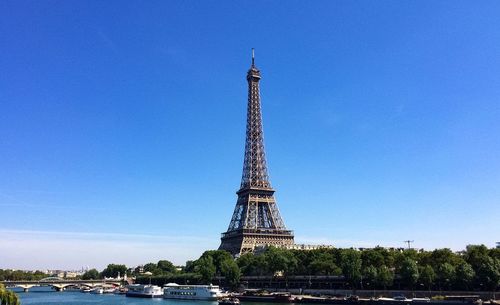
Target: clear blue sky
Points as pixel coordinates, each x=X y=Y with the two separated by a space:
x=122 y=124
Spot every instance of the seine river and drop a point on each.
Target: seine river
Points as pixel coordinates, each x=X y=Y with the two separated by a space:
x=41 y=296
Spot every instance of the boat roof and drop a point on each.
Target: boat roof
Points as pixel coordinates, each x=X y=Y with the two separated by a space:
x=141 y=285
x=177 y=285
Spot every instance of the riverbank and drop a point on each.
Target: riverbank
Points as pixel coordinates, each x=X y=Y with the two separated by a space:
x=365 y=293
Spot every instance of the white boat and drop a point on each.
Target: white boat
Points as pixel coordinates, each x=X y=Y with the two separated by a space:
x=191 y=292
x=421 y=300
x=120 y=290
x=97 y=290
x=109 y=290
x=229 y=301
x=144 y=291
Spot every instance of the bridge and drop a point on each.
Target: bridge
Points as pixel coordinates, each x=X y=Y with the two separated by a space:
x=60 y=284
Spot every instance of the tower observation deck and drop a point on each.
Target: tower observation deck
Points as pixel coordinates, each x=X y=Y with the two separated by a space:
x=256 y=220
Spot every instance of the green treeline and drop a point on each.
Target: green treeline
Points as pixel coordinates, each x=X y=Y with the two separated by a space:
x=19 y=275
x=476 y=268
x=204 y=270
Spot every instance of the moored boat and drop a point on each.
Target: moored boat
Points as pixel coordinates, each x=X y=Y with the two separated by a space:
x=191 y=292
x=122 y=290
x=266 y=297
x=229 y=301
x=72 y=288
x=109 y=290
x=144 y=291
x=97 y=290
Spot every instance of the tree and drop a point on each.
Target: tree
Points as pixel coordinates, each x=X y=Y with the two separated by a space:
x=153 y=268
x=372 y=257
x=218 y=256
x=276 y=260
x=488 y=273
x=494 y=253
x=476 y=255
x=385 y=277
x=252 y=264
x=427 y=276
x=91 y=274
x=351 y=266
x=464 y=275
x=190 y=266
x=18 y=275
x=206 y=268
x=166 y=267
x=324 y=264
x=112 y=270
x=439 y=257
x=304 y=259
x=246 y=263
x=445 y=274
x=231 y=272
x=400 y=257
x=409 y=272
x=389 y=256
x=370 y=276
x=8 y=297
x=280 y=260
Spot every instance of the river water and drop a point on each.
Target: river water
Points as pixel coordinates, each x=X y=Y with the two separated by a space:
x=41 y=296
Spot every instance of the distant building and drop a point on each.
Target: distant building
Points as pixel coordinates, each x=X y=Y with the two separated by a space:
x=307 y=247
x=498 y=244
x=70 y=274
x=397 y=249
x=59 y=273
x=139 y=269
x=302 y=247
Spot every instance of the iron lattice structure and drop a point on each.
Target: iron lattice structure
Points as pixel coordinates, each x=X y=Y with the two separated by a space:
x=256 y=221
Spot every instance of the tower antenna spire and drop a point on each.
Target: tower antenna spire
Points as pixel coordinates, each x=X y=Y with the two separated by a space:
x=253 y=57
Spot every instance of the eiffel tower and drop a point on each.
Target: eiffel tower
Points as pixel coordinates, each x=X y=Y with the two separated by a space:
x=256 y=220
